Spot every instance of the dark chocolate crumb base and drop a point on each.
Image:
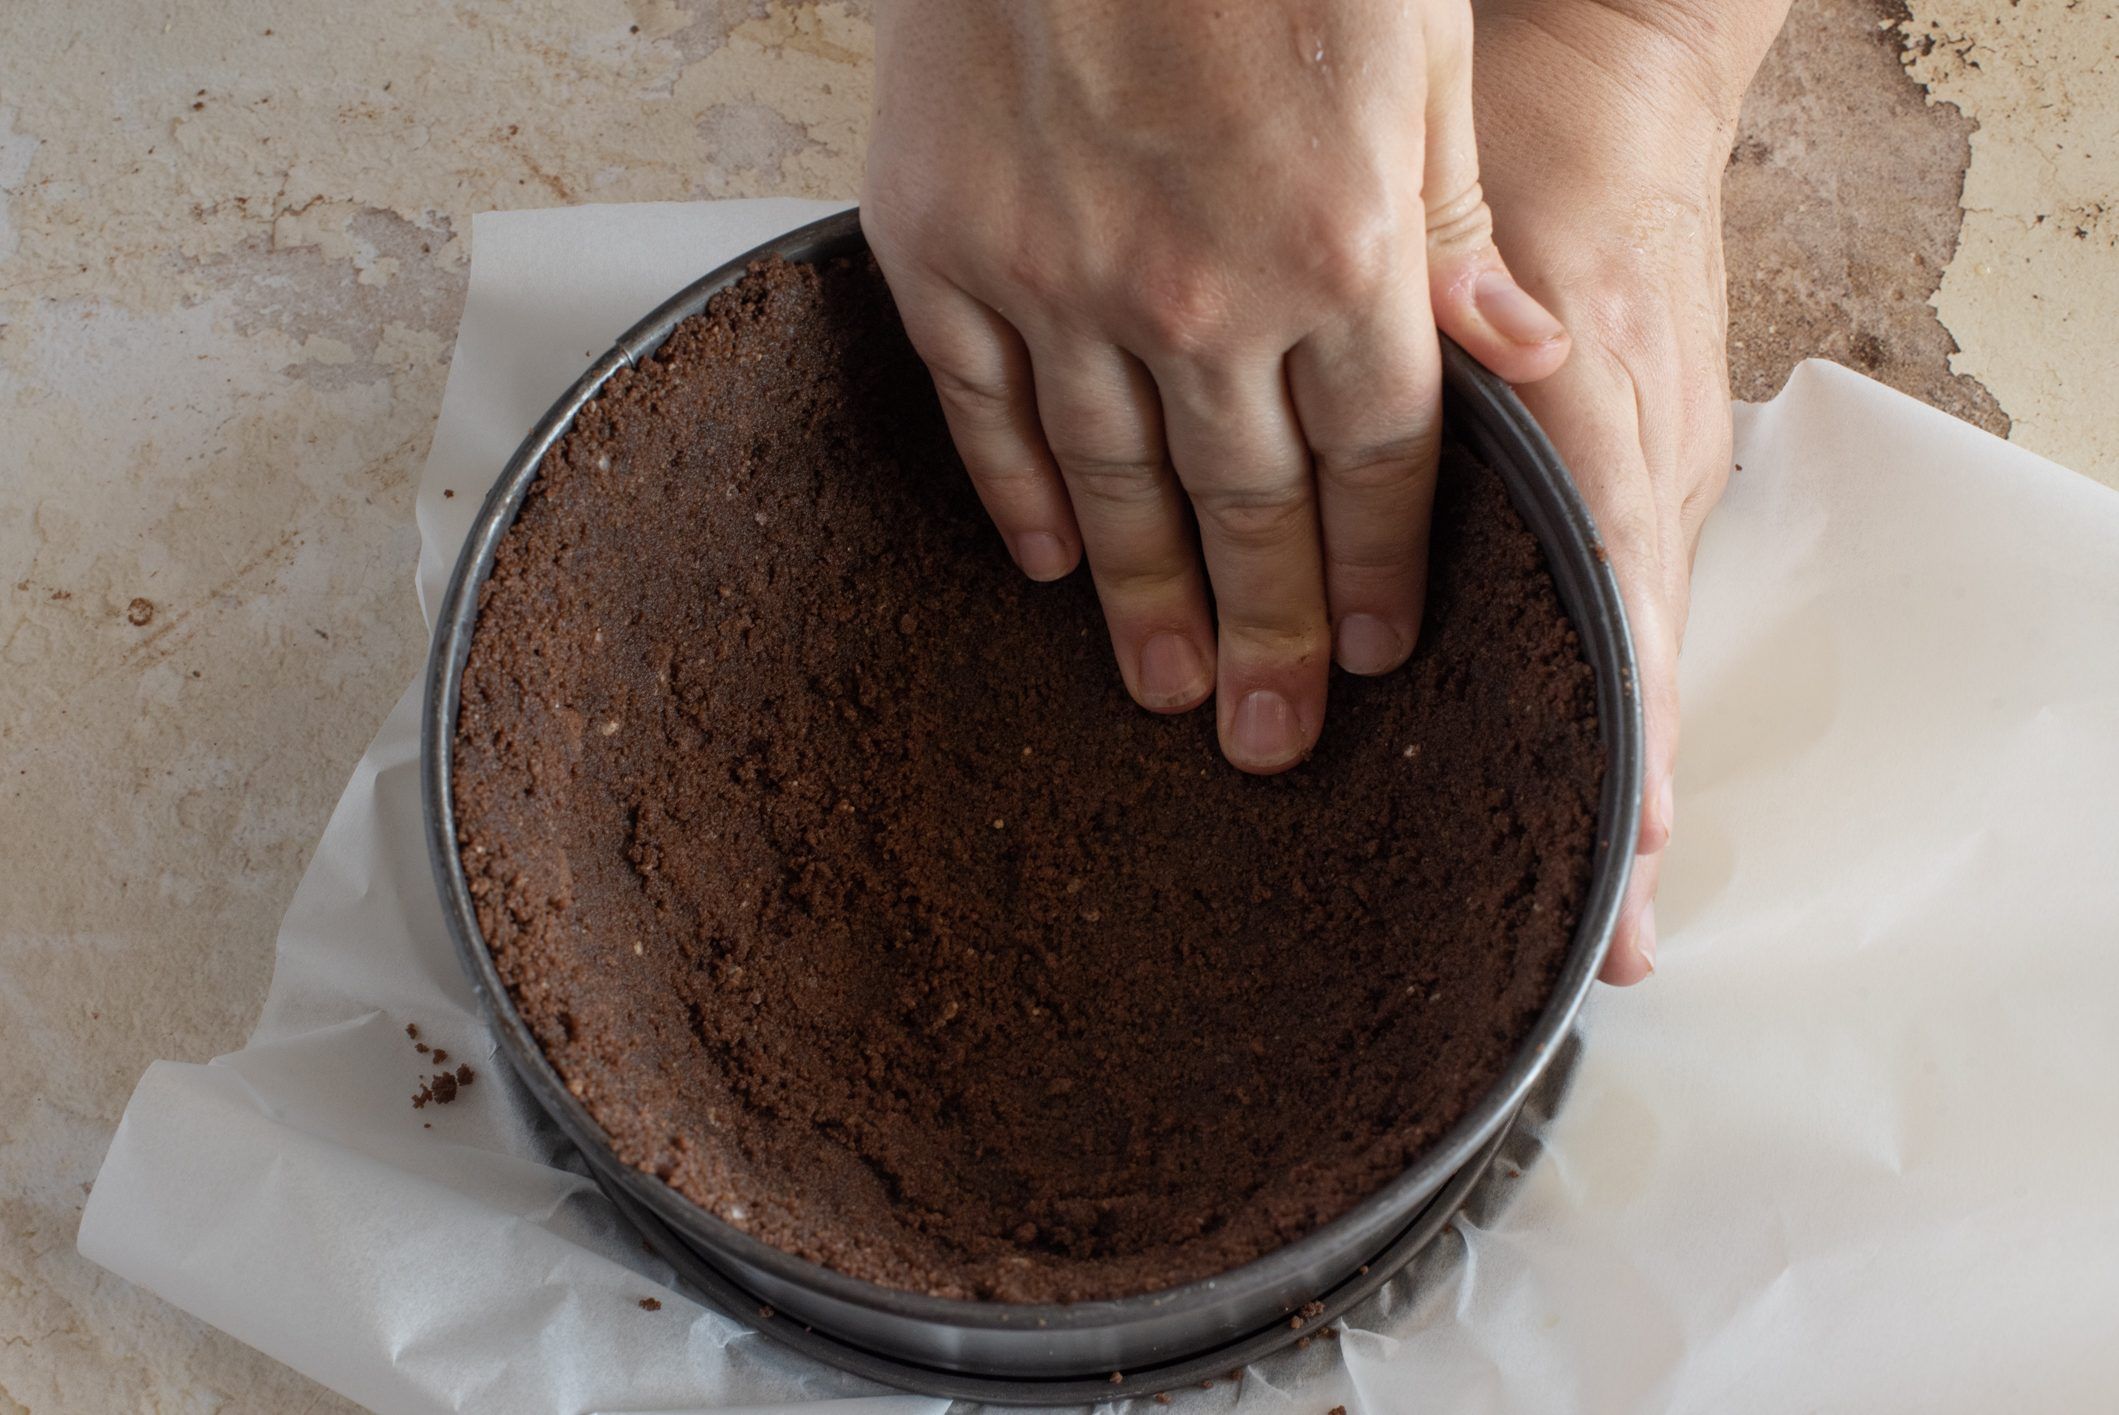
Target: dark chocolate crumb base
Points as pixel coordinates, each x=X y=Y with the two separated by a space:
x=829 y=863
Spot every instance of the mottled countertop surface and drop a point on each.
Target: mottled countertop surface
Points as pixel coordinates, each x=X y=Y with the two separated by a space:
x=232 y=256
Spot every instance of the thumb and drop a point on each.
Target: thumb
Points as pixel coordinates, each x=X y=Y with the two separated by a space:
x=1476 y=301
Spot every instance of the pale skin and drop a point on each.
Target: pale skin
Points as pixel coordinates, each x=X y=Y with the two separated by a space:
x=1178 y=269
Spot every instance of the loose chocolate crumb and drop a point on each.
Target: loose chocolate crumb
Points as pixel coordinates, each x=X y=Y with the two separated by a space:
x=1312 y=1310
x=1164 y=1018
x=140 y=612
x=448 y=492
x=1336 y=1410
x=765 y=1314
x=1117 y=1378
x=464 y=1074
x=650 y=1304
x=440 y=1056
x=412 y=1030
x=1162 y=1397
x=420 y=1047
x=1302 y=1343
x=440 y=1088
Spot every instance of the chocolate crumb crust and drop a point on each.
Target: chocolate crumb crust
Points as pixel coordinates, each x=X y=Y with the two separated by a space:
x=831 y=866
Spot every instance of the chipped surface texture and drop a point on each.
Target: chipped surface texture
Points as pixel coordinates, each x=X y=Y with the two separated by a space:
x=230 y=272
x=1840 y=203
x=2034 y=290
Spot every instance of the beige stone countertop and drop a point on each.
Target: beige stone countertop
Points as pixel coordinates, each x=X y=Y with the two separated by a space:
x=232 y=255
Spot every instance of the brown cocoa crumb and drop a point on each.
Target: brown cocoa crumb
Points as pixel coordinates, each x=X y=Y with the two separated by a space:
x=440 y=1056
x=420 y=1047
x=650 y=1304
x=440 y=1088
x=780 y=1020
x=412 y=1030
x=1312 y=1310
x=765 y=1313
x=1162 y=1397
x=1302 y=1343
x=448 y=491
x=140 y=612
x=464 y=1074
x=1336 y=1410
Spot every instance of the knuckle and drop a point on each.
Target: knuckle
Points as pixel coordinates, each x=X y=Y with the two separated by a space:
x=1010 y=483
x=1111 y=481
x=1378 y=466
x=1258 y=520
x=1630 y=538
x=1183 y=308
x=1257 y=639
x=982 y=402
x=1144 y=581
x=1380 y=556
x=1035 y=274
x=1702 y=495
x=1459 y=220
x=1352 y=254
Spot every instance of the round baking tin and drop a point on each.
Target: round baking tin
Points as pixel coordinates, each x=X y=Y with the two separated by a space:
x=1213 y=1364
x=1007 y=1342
x=1483 y=1185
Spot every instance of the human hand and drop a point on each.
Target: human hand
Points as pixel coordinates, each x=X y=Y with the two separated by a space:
x=1172 y=262
x=1604 y=130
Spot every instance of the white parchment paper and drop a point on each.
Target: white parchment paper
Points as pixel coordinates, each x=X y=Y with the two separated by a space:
x=1856 y=1146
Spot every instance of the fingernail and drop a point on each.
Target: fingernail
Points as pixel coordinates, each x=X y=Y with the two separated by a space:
x=1368 y=645
x=1509 y=309
x=1264 y=731
x=1042 y=555
x=1172 y=672
x=1644 y=937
